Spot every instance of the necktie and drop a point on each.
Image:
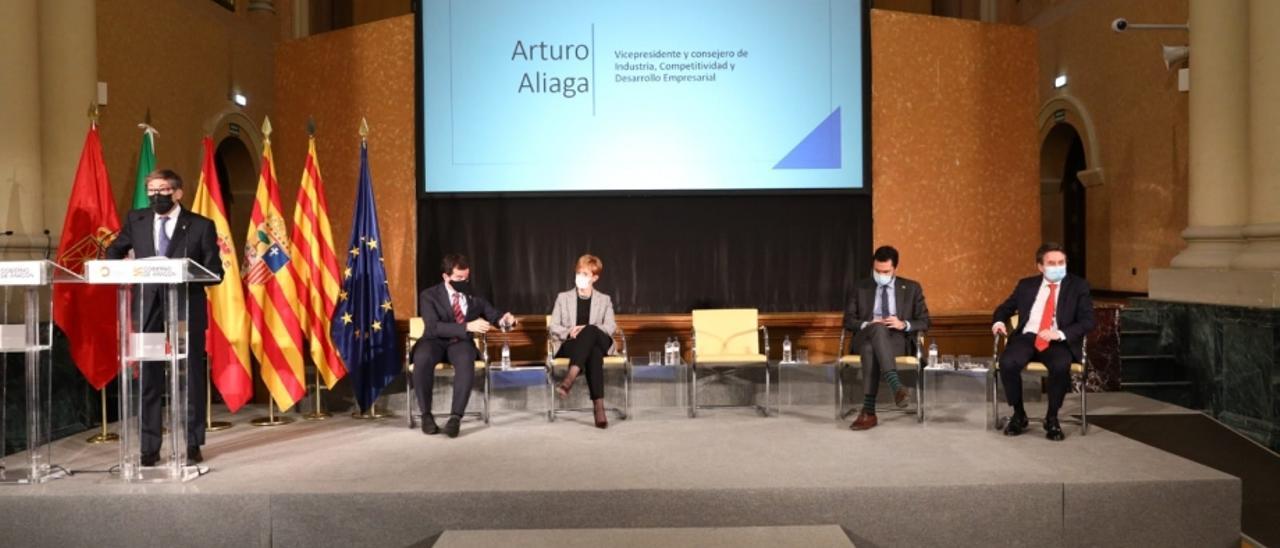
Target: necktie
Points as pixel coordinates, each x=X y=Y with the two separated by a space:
x=884 y=301
x=457 y=308
x=1046 y=319
x=162 y=240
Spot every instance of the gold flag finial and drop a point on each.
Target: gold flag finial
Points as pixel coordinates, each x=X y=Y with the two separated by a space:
x=93 y=112
x=364 y=129
x=266 y=128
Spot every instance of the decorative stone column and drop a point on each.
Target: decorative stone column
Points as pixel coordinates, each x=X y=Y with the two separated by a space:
x=21 y=184
x=1262 y=233
x=68 y=83
x=1219 y=112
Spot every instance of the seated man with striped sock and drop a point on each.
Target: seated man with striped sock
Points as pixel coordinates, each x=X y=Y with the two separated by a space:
x=882 y=314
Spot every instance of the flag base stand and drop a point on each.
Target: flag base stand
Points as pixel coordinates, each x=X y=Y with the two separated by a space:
x=319 y=414
x=104 y=436
x=211 y=425
x=217 y=426
x=373 y=414
x=271 y=419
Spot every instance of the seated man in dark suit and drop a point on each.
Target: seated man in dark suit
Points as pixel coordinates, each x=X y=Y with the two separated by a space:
x=453 y=316
x=882 y=313
x=1056 y=313
x=166 y=229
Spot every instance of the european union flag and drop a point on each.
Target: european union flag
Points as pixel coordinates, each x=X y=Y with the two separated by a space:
x=364 y=324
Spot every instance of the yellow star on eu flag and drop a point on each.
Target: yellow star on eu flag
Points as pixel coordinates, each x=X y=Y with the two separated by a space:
x=342 y=295
x=372 y=243
x=346 y=273
x=377 y=326
x=346 y=319
x=386 y=305
x=355 y=251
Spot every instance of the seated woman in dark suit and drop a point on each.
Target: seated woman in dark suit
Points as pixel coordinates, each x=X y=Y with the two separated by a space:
x=581 y=329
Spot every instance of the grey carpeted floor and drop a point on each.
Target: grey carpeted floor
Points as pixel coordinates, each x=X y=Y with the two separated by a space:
x=311 y=480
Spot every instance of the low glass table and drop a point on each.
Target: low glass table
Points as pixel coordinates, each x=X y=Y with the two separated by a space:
x=959 y=396
x=658 y=390
x=806 y=388
x=524 y=388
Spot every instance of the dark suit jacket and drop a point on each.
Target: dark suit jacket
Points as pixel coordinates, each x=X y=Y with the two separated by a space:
x=908 y=297
x=437 y=314
x=194 y=237
x=1074 y=310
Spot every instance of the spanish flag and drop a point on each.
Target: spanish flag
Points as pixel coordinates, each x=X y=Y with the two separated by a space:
x=317 y=269
x=227 y=340
x=276 y=337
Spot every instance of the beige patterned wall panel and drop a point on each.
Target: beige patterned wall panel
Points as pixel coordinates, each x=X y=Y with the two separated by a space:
x=337 y=78
x=955 y=159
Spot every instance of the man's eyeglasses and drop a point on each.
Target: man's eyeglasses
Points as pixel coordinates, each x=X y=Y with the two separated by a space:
x=162 y=191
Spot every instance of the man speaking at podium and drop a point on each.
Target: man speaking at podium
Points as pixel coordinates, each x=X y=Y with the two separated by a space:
x=167 y=230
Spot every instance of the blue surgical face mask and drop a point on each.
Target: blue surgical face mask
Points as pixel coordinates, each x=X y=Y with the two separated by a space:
x=1055 y=274
x=882 y=279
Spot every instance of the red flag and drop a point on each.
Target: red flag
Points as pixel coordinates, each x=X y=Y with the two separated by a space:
x=86 y=312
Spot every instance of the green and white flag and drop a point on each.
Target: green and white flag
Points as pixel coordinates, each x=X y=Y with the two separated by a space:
x=146 y=164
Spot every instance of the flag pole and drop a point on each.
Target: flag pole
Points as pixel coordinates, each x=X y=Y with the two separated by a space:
x=271 y=419
x=104 y=436
x=319 y=414
x=210 y=424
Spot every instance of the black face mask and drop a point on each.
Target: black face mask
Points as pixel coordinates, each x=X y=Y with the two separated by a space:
x=161 y=203
x=461 y=287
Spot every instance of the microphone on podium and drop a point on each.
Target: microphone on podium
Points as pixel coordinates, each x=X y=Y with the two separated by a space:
x=6 y=233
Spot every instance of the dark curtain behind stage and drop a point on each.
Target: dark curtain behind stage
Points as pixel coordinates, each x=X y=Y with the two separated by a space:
x=777 y=253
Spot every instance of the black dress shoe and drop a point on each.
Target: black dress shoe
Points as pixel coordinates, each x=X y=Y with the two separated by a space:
x=451 y=427
x=193 y=455
x=429 y=426
x=1053 y=430
x=1017 y=424
x=149 y=459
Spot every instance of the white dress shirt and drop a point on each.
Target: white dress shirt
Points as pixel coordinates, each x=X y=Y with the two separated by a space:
x=462 y=301
x=1032 y=325
x=168 y=228
x=893 y=304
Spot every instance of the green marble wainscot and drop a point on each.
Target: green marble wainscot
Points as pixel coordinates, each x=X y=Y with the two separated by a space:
x=1231 y=356
x=73 y=404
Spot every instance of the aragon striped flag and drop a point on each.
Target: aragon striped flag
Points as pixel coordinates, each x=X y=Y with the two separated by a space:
x=276 y=333
x=317 y=269
x=227 y=341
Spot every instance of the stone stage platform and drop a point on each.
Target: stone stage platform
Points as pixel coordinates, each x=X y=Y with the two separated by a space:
x=347 y=482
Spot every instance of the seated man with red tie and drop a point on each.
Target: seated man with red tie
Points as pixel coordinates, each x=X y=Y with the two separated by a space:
x=1056 y=314
x=452 y=316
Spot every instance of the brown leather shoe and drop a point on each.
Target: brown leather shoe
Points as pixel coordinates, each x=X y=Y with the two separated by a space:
x=900 y=397
x=864 y=421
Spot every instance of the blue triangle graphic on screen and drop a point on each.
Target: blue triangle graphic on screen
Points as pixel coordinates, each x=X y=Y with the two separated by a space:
x=819 y=150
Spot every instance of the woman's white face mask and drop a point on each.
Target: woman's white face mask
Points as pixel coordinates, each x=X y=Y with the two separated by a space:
x=583 y=281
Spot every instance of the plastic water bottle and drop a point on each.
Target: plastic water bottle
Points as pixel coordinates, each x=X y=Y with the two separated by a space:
x=933 y=353
x=666 y=353
x=506 y=346
x=675 y=350
x=786 y=349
